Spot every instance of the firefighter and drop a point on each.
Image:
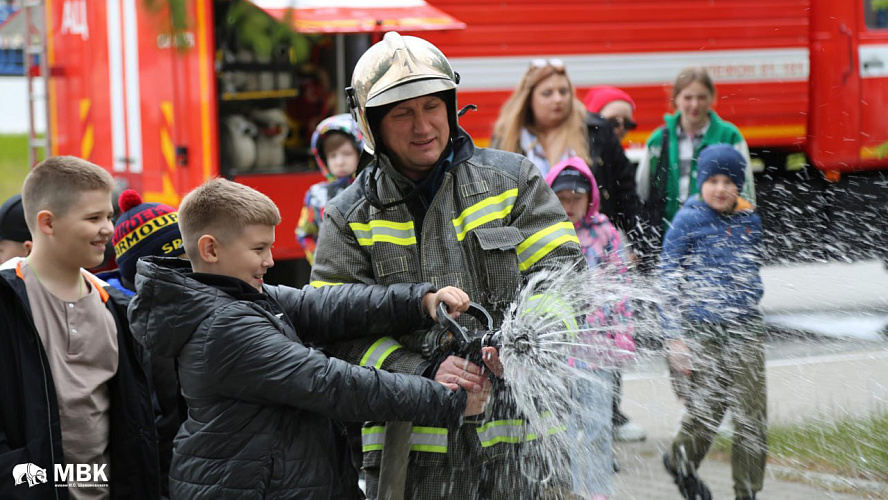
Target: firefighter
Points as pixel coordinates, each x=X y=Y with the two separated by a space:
x=428 y=206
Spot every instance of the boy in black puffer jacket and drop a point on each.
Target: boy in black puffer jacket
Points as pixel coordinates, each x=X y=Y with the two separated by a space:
x=261 y=401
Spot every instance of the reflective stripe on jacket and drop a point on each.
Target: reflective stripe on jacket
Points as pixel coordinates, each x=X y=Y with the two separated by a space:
x=434 y=439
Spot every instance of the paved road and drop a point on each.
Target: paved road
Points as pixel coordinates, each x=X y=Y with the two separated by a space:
x=807 y=379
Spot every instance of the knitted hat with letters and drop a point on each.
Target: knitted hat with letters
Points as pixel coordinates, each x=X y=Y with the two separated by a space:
x=144 y=229
x=12 y=221
x=721 y=159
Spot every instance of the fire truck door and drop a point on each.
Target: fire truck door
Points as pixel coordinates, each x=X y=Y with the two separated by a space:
x=873 y=61
x=834 y=82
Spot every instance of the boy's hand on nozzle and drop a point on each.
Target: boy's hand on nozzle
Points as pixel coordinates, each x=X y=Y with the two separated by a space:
x=476 y=402
x=678 y=356
x=455 y=299
x=457 y=372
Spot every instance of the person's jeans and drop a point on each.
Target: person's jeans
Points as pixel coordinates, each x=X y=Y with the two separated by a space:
x=590 y=430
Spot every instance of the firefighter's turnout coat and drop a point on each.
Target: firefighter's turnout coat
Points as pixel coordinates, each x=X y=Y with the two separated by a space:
x=492 y=222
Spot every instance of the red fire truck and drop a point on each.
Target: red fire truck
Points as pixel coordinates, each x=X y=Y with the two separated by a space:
x=166 y=104
x=168 y=93
x=806 y=81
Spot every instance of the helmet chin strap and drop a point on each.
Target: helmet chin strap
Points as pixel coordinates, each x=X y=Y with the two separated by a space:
x=465 y=109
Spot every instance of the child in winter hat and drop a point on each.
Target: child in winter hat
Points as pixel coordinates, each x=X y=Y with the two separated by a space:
x=143 y=229
x=599 y=97
x=711 y=287
x=15 y=238
x=608 y=341
x=721 y=159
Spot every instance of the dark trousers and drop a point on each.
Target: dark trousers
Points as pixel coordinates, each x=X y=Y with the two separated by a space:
x=728 y=372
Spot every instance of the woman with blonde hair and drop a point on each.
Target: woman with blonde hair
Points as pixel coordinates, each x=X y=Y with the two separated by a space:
x=543 y=119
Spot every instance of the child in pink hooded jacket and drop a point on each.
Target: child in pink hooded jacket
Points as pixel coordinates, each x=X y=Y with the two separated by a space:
x=607 y=342
x=577 y=190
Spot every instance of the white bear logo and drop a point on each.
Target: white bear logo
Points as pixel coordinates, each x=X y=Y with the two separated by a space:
x=30 y=472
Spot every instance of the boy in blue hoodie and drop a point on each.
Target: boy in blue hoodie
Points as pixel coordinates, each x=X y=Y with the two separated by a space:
x=709 y=271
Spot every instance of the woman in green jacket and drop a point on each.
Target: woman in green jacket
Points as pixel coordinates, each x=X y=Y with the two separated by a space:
x=693 y=127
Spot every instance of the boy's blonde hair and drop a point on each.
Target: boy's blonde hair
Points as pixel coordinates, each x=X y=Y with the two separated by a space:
x=56 y=183
x=223 y=209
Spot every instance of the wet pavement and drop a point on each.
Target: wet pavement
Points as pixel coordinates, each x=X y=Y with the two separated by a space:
x=809 y=378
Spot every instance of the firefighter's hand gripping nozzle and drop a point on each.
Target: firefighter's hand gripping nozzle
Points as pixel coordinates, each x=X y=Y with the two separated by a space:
x=449 y=337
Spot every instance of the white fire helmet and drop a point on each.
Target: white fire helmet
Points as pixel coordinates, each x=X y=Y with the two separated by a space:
x=396 y=69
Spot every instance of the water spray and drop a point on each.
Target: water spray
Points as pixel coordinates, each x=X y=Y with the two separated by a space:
x=543 y=330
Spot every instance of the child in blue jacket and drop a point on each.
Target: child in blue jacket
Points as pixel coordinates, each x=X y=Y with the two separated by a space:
x=709 y=272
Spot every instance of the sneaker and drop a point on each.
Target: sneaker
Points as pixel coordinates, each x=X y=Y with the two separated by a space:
x=689 y=484
x=629 y=432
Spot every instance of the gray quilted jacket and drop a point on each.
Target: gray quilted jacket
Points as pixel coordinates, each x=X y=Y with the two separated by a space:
x=260 y=400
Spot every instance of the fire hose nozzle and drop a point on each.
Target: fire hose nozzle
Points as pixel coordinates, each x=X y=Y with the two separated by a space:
x=464 y=338
x=493 y=339
x=525 y=343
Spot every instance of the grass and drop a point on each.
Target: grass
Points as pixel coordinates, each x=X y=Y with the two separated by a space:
x=853 y=447
x=13 y=163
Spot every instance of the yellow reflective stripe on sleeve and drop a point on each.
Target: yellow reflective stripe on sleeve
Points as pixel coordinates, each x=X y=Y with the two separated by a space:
x=538 y=245
x=319 y=284
x=551 y=423
x=493 y=208
x=514 y=431
x=379 y=351
x=379 y=231
x=429 y=439
x=551 y=430
x=372 y=438
x=426 y=439
x=548 y=305
x=501 y=431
